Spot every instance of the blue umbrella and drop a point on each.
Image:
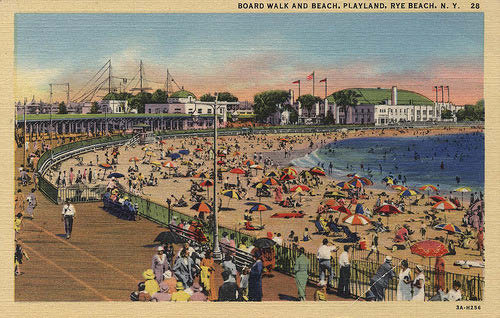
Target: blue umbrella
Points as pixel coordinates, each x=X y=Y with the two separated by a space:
x=184 y=152
x=174 y=156
x=116 y=175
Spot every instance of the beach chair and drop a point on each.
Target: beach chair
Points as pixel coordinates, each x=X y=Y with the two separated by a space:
x=319 y=227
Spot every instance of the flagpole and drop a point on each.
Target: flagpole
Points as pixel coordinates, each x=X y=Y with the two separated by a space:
x=313 y=83
x=442 y=94
x=299 y=89
x=326 y=81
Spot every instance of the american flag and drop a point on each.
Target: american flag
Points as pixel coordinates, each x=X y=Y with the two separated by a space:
x=310 y=76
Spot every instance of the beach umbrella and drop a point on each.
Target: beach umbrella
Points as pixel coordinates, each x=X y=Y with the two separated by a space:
x=198 y=149
x=236 y=153
x=428 y=188
x=399 y=187
x=150 y=153
x=356 y=183
x=168 y=237
x=248 y=162
x=290 y=170
x=408 y=193
x=171 y=148
x=283 y=139
x=184 y=152
x=202 y=207
x=202 y=175
x=146 y=148
x=344 y=185
x=341 y=209
x=449 y=228
x=259 y=207
x=463 y=190
x=168 y=164
x=356 y=219
x=388 y=180
x=317 y=171
x=264 y=243
x=163 y=142
x=116 y=175
x=388 y=209
x=437 y=198
x=155 y=163
x=287 y=177
x=221 y=154
x=301 y=187
x=207 y=183
x=174 y=156
x=231 y=194
x=105 y=166
x=134 y=159
x=256 y=167
x=366 y=181
x=429 y=248
x=444 y=205
x=269 y=181
x=330 y=202
x=221 y=162
x=237 y=171
x=273 y=174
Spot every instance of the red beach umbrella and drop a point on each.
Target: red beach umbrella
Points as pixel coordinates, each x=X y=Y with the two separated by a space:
x=444 y=205
x=302 y=188
x=429 y=248
x=237 y=171
x=437 y=198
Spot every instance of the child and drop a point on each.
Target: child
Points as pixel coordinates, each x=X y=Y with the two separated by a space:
x=306 y=237
x=245 y=274
x=320 y=294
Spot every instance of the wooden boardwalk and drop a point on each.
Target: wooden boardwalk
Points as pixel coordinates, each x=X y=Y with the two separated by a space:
x=103 y=260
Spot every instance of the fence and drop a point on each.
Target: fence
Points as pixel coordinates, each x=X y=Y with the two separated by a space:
x=362 y=266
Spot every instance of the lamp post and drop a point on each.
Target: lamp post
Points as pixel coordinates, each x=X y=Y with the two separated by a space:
x=215 y=107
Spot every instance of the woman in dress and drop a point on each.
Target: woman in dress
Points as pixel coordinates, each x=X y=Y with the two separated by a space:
x=207 y=276
x=255 y=280
x=160 y=264
x=404 y=283
x=418 y=284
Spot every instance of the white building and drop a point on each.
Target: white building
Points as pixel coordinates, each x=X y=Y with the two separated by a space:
x=114 y=106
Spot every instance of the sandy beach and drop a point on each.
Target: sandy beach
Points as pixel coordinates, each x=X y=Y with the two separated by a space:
x=272 y=149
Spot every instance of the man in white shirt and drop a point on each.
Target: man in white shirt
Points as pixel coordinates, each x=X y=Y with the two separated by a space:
x=345 y=272
x=67 y=216
x=324 y=256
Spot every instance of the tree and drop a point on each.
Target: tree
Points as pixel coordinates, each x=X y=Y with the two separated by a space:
x=329 y=120
x=95 y=109
x=138 y=101
x=159 y=97
x=227 y=97
x=294 y=115
x=472 y=112
x=62 y=108
x=207 y=98
x=308 y=101
x=117 y=96
x=446 y=114
x=346 y=99
x=266 y=103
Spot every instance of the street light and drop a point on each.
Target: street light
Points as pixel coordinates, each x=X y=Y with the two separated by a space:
x=215 y=107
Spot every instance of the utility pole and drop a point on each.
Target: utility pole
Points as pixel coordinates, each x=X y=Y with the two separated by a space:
x=25 y=139
x=140 y=74
x=109 y=77
x=67 y=95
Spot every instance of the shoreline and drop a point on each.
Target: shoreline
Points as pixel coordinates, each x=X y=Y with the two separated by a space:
x=265 y=145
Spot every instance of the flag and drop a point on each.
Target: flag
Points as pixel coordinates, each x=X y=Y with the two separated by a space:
x=296 y=82
x=310 y=76
x=323 y=80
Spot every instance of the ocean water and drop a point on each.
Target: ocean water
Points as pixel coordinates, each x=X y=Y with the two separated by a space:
x=436 y=160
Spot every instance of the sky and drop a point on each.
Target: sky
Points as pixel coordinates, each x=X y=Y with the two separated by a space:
x=248 y=53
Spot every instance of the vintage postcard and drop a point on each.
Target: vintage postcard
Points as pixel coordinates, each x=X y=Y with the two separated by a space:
x=311 y=155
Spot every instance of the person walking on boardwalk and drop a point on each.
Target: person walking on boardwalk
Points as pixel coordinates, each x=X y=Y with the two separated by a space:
x=300 y=270
x=345 y=272
x=255 y=279
x=67 y=216
x=31 y=199
x=160 y=264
